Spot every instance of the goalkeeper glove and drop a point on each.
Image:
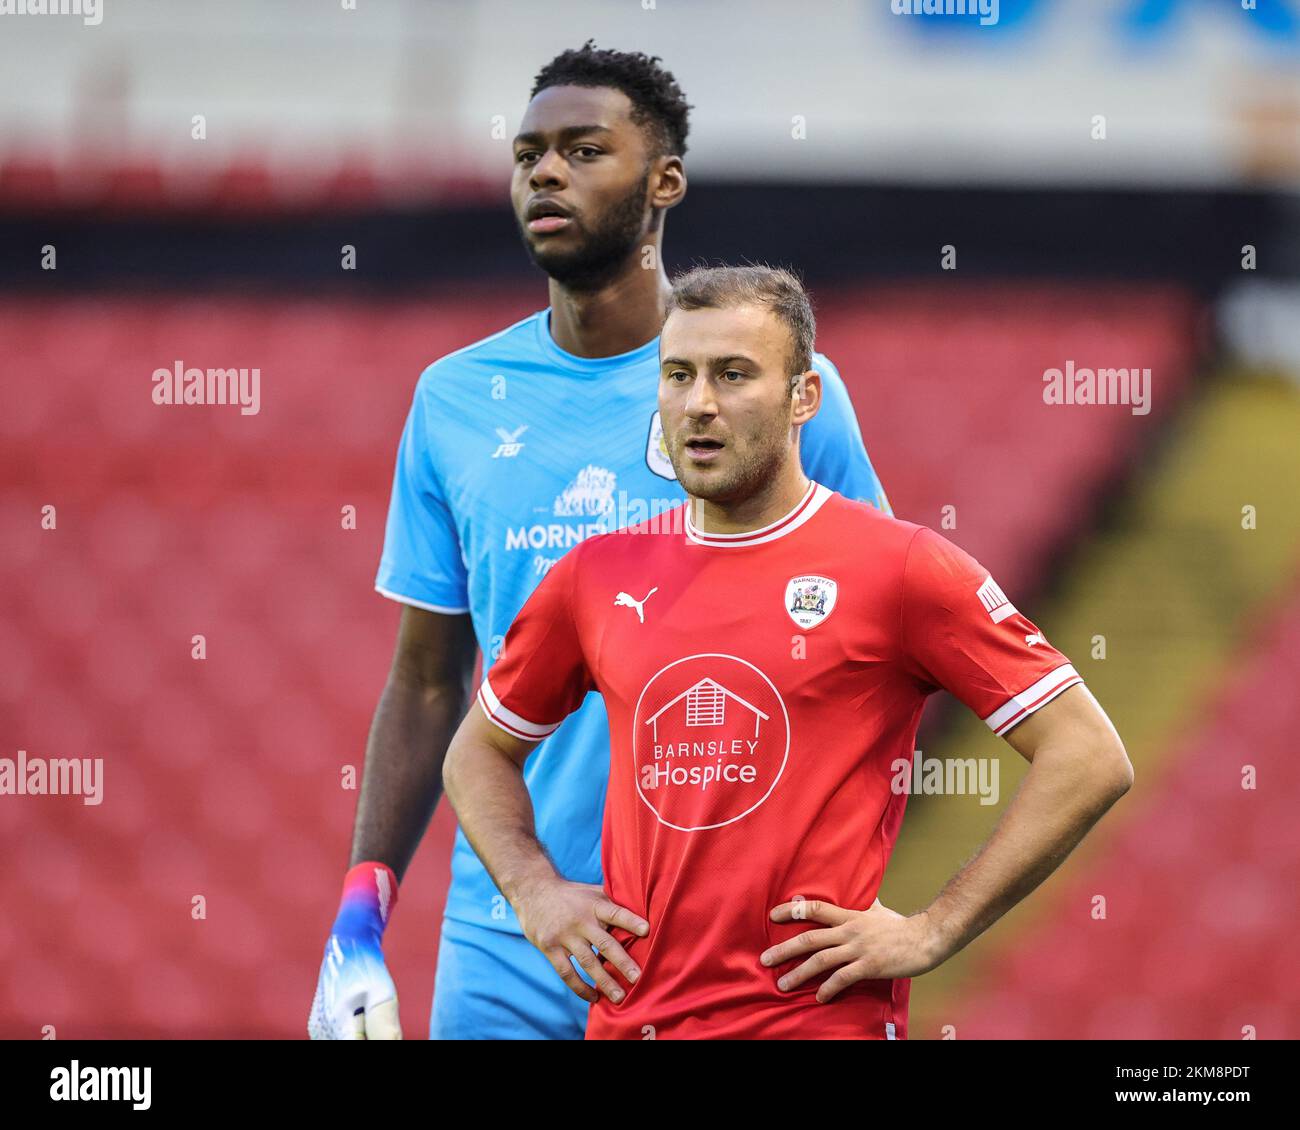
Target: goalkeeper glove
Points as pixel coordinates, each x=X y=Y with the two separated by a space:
x=355 y=996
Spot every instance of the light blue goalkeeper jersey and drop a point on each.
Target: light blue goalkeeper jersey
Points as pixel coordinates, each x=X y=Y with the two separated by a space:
x=513 y=452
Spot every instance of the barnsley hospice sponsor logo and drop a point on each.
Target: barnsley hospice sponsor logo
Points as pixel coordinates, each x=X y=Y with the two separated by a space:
x=710 y=741
x=90 y=11
x=53 y=776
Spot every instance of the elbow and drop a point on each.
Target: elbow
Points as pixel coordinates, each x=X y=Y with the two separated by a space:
x=437 y=698
x=1118 y=775
x=452 y=767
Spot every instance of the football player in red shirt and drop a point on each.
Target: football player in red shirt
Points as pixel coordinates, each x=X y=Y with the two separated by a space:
x=764 y=652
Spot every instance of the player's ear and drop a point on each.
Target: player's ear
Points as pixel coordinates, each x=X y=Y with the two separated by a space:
x=806 y=392
x=668 y=176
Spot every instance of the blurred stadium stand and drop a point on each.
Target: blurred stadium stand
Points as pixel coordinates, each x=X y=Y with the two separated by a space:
x=397 y=96
x=1198 y=943
x=1182 y=595
x=175 y=522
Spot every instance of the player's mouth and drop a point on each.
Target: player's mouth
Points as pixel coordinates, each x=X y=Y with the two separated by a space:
x=703 y=449
x=544 y=216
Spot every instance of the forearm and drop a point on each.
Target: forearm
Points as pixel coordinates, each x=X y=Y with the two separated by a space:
x=412 y=727
x=487 y=790
x=1059 y=800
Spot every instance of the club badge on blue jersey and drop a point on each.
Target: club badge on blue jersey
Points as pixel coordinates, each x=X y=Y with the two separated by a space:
x=656 y=450
x=810 y=599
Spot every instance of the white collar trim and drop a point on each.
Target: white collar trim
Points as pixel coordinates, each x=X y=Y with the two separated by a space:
x=814 y=498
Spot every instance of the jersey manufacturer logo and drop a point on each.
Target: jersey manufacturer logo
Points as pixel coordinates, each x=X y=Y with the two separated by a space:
x=624 y=600
x=656 y=450
x=1037 y=637
x=710 y=741
x=809 y=599
x=995 y=601
x=509 y=446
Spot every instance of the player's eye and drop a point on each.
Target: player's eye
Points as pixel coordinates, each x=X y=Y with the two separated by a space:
x=675 y=373
x=525 y=155
x=733 y=373
x=587 y=151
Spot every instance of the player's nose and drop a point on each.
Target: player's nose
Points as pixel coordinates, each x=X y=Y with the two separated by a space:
x=700 y=400
x=549 y=170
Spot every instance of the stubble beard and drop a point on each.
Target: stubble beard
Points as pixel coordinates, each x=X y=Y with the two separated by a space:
x=750 y=472
x=600 y=258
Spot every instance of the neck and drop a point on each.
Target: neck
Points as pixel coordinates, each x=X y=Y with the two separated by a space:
x=615 y=318
x=770 y=503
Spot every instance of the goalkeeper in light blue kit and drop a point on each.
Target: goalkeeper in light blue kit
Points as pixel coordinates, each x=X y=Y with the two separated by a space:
x=516 y=448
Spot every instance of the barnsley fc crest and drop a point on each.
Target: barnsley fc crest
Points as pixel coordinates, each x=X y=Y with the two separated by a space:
x=810 y=599
x=656 y=450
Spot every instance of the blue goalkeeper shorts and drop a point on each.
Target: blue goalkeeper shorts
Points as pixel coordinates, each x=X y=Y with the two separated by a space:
x=496 y=985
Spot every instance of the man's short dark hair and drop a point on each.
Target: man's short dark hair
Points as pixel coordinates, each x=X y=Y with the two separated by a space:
x=711 y=288
x=658 y=105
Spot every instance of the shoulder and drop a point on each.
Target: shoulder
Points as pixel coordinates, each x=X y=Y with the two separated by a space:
x=630 y=544
x=937 y=568
x=626 y=541
x=480 y=357
x=826 y=368
x=836 y=410
x=914 y=556
x=877 y=539
x=863 y=520
x=918 y=549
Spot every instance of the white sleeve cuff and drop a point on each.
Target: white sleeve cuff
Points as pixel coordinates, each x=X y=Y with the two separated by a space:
x=397 y=596
x=508 y=720
x=1019 y=707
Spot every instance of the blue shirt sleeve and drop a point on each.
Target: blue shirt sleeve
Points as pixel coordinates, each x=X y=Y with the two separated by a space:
x=422 y=563
x=831 y=444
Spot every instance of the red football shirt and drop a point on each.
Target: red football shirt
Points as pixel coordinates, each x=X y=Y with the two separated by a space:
x=763 y=691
